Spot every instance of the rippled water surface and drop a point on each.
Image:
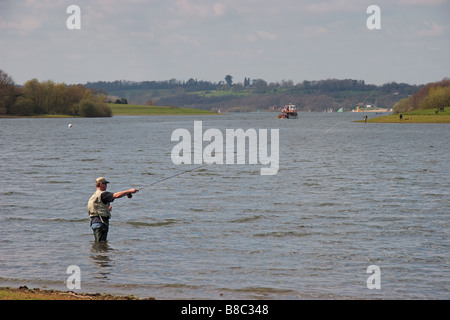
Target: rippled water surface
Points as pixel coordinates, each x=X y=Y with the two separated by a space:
x=348 y=195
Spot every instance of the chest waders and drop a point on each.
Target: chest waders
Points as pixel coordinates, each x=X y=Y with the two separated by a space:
x=96 y=208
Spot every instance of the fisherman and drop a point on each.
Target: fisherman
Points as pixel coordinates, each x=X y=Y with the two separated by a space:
x=99 y=207
x=365 y=118
x=400 y=116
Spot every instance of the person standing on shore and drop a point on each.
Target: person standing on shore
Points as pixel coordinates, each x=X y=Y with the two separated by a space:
x=99 y=207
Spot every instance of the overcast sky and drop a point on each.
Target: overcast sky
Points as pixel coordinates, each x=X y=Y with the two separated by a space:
x=273 y=40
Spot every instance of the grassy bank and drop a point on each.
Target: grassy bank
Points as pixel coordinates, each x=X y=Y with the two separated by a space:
x=23 y=293
x=419 y=116
x=141 y=110
x=7 y=116
x=130 y=110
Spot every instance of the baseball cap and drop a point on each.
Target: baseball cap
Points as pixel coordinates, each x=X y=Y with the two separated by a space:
x=101 y=180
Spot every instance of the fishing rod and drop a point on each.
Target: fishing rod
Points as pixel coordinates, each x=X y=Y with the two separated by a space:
x=167 y=178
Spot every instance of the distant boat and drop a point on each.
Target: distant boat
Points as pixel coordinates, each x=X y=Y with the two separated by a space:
x=259 y=111
x=341 y=109
x=288 y=112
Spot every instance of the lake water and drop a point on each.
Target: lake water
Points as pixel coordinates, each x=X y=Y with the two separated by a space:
x=347 y=196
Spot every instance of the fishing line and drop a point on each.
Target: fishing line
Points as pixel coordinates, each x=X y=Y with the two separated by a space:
x=204 y=165
x=172 y=176
x=336 y=124
x=328 y=130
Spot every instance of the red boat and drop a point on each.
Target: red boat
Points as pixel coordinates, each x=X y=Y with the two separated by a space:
x=288 y=112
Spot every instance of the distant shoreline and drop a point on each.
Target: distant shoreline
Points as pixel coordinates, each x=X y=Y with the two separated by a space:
x=420 y=116
x=143 y=110
x=129 y=110
x=407 y=119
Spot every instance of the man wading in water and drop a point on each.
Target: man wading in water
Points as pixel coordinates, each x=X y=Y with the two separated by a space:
x=100 y=210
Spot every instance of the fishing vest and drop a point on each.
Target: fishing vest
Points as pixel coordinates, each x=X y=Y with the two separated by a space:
x=96 y=207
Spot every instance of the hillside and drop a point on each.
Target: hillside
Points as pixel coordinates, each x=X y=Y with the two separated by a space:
x=432 y=95
x=252 y=95
x=431 y=104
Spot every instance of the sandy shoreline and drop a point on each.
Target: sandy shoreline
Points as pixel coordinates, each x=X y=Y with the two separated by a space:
x=24 y=293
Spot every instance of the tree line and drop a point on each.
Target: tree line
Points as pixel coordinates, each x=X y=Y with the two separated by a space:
x=47 y=97
x=307 y=95
x=254 y=94
x=432 y=95
x=256 y=85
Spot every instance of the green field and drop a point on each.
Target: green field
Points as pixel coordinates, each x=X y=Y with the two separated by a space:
x=418 y=116
x=141 y=110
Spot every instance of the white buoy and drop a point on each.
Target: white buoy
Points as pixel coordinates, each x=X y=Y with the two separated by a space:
x=70 y=125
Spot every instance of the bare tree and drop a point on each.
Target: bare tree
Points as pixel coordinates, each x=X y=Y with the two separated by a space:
x=8 y=92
